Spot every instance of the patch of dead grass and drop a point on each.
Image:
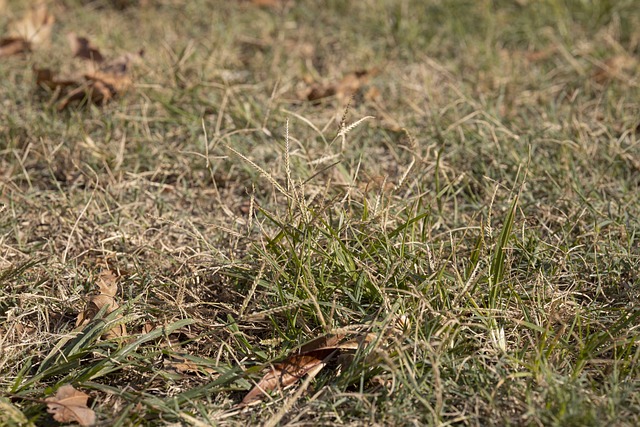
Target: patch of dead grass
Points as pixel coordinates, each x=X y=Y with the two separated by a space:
x=403 y=217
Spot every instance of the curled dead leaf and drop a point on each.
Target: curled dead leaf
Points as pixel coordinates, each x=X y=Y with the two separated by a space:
x=13 y=45
x=33 y=29
x=613 y=68
x=46 y=78
x=83 y=48
x=35 y=26
x=310 y=356
x=286 y=373
x=107 y=284
x=540 y=55
x=90 y=91
x=99 y=82
x=373 y=94
x=343 y=89
x=70 y=405
x=113 y=83
x=120 y=66
x=102 y=85
x=318 y=91
x=147 y=327
x=182 y=365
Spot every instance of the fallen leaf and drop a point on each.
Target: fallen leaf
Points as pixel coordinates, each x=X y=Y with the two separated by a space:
x=286 y=373
x=121 y=64
x=32 y=30
x=311 y=355
x=70 y=405
x=351 y=83
x=13 y=46
x=540 y=55
x=83 y=48
x=46 y=78
x=183 y=365
x=187 y=367
x=383 y=382
x=90 y=91
x=115 y=82
x=100 y=81
x=373 y=94
x=343 y=89
x=318 y=91
x=614 y=68
x=107 y=284
x=22 y=330
x=35 y=26
x=147 y=327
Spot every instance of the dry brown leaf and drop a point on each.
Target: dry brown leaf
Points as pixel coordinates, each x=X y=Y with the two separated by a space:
x=99 y=83
x=286 y=373
x=540 y=55
x=35 y=27
x=183 y=365
x=120 y=65
x=329 y=341
x=107 y=284
x=46 y=78
x=32 y=30
x=614 y=68
x=188 y=367
x=147 y=327
x=22 y=330
x=338 y=342
x=102 y=300
x=307 y=358
x=373 y=94
x=13 y=45
x=317 y=91
x=114 y=83
x=70 y=405
x=90 y=91
x=83 y=48
x=351 y=83
x=343 y=89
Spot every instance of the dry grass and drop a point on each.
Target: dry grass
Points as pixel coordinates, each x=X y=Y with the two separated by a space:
x=492 y=203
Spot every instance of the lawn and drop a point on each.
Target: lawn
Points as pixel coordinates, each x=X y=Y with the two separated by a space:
x=375 y=212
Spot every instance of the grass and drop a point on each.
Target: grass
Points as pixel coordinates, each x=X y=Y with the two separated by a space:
x=484 y=226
